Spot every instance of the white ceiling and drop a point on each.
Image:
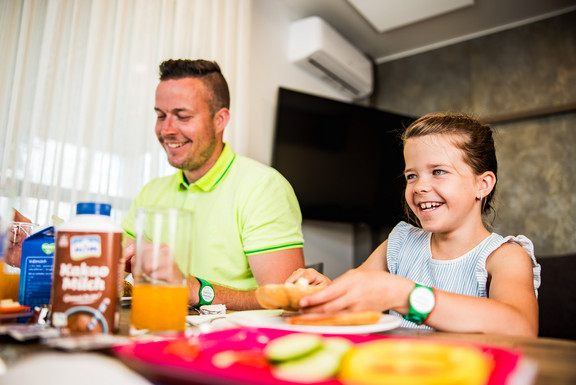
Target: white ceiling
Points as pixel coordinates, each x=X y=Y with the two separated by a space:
x=467 y=21
x=406 y=12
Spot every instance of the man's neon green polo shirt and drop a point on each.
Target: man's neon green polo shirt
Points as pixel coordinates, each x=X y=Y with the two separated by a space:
x=241 y=208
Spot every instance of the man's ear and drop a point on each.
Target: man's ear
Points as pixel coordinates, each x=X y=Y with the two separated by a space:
x=221 y=119
x=486 y=183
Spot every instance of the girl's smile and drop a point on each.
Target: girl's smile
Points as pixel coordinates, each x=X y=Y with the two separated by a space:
x=429 y=206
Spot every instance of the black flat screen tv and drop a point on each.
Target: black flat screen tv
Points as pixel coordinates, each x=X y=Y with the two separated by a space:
x=343 y=160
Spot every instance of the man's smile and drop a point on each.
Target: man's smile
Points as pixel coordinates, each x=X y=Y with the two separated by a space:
x=175 y=144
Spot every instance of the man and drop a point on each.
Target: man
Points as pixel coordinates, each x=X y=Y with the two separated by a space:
x=247 y=222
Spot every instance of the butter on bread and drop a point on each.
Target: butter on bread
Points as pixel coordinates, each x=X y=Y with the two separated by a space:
x=9 y=304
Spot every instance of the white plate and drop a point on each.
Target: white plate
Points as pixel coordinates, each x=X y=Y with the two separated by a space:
x=387 y=322
x=247 y=314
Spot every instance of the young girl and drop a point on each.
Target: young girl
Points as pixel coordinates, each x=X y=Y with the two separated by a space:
x=450 y=273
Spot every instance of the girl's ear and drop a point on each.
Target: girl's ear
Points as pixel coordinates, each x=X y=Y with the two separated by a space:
x=486 y=182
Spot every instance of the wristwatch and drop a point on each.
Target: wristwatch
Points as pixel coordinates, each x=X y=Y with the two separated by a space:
x=206 y=293
x=422 y=301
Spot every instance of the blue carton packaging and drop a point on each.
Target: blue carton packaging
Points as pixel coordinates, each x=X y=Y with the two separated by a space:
x=36 y=266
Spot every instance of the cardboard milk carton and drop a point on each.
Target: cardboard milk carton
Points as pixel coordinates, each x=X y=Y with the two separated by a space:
x=36 y=266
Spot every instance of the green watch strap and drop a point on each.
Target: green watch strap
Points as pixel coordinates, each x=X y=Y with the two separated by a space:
x=422 y=301
x=205 y=294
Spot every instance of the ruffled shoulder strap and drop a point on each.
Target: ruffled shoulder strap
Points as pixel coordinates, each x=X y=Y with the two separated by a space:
x=492 y=243
x=529 y=247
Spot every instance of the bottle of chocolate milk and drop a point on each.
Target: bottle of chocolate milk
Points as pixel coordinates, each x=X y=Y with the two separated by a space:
x=87 y=272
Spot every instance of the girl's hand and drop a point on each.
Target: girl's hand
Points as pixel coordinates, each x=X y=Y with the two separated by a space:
x=360 y=289
x=312 y=276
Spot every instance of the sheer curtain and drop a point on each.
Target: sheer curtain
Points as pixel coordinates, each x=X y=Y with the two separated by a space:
x=77 y=82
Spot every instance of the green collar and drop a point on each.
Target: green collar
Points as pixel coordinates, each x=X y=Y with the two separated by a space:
x=211 y=179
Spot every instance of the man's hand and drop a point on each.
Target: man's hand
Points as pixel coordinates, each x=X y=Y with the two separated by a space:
x=312 y=276
x=155 y=262
x=129 y=252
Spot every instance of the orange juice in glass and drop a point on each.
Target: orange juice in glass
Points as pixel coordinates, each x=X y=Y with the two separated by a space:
x=160 y=294
x=152 y=303
x=9 y=282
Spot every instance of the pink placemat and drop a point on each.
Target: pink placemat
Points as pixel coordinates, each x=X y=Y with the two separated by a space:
x=152 y=358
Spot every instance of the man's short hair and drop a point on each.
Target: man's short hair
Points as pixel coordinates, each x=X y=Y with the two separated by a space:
x=208 y=71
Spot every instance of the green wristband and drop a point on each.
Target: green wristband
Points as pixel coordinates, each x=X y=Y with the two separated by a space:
x=422 y=301
x=205 y=294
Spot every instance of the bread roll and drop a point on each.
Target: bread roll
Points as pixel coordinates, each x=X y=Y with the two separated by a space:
x=284 y=296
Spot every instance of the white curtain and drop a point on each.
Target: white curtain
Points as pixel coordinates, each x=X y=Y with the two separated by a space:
x=77 y=82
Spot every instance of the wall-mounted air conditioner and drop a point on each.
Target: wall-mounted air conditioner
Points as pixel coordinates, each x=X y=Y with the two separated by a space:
x=317 y=47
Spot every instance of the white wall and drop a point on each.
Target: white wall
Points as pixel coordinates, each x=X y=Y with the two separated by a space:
x=270 y=69
x=331 y=243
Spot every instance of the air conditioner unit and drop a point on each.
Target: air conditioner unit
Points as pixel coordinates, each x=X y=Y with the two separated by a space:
x=317 y=47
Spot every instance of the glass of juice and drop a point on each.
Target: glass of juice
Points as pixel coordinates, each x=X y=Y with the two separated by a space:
x=13 y=234
x=163 y=252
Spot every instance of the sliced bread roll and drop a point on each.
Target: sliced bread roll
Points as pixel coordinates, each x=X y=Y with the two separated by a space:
x=284 y=296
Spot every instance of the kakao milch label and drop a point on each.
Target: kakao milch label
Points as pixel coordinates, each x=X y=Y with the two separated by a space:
x=85 y=295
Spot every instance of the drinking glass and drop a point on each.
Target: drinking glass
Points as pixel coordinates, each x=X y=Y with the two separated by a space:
x=14 y=235
x=160 y=294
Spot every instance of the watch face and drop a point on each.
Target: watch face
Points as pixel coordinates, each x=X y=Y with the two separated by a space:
x=207 y=294
x=422 y=300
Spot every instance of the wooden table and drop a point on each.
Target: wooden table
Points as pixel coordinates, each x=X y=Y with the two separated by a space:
x=555 y=358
